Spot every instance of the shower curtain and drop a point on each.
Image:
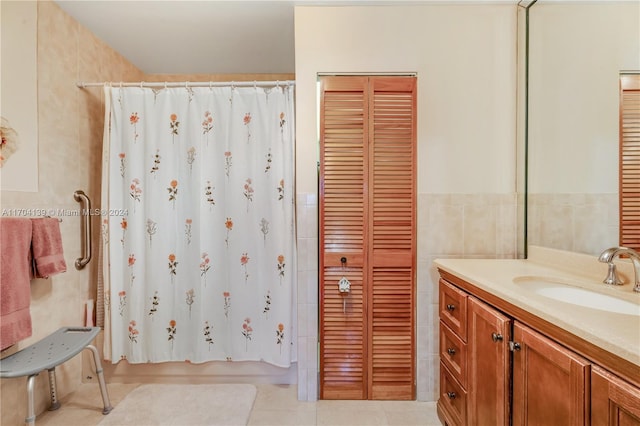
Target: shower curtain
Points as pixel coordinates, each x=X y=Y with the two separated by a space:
x=198 y=228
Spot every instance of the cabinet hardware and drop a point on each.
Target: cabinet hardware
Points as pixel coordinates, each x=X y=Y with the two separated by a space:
x=514 y=346
x=496 y=337
x=451 y=395
x=450 y=307
x=451 y=351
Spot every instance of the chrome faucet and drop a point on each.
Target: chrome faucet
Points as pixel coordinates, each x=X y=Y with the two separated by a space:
x=609 y=255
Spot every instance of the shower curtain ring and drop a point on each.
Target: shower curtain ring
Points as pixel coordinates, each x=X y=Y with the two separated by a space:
x=165 y=84
x=141 y=83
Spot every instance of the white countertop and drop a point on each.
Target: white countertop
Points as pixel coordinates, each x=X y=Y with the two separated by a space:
x=614 y=332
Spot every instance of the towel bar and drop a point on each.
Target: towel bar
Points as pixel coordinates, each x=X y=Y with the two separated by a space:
x=47 y=354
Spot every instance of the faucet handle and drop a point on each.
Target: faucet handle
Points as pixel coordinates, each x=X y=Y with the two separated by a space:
x=612 y=275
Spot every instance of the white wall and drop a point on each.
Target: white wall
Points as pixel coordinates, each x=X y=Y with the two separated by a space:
x=464 y=56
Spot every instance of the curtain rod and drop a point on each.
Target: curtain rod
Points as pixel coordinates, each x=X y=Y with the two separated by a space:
x=165 y=84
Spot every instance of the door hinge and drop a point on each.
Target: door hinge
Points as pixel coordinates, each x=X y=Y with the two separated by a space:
x=514 y=346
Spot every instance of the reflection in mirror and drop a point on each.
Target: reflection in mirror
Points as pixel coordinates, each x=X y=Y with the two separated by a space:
x=577 y=52
x=630 y=161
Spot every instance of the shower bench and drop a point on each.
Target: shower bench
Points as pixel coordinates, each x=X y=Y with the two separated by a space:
x=47 y=354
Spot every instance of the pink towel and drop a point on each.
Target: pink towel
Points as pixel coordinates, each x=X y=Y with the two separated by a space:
x=15 y=290
x=46 y=244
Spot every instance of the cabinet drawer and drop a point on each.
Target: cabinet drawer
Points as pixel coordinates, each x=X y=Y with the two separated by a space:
x=453 y=354
x=453 y=397
x=453 y=309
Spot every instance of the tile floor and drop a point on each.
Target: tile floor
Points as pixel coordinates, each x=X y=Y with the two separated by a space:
x=275 y=405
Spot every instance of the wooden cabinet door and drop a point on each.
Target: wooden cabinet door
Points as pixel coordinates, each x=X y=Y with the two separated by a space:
x=367 y=218
x=489 y=377
x=550 y=383
x=614 y=402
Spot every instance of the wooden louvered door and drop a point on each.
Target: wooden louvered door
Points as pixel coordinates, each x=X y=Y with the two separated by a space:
x=367 y=217
x=630 y=161
x=392 y=236
x=343 y=232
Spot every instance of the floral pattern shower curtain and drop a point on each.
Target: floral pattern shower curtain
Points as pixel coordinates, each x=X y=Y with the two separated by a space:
x=200 y=235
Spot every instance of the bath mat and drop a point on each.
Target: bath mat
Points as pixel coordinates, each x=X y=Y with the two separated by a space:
x=184 y=405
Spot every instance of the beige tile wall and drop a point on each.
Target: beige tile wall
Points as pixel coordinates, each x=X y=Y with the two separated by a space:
x=462 y=226
x=583 y=223
x=70 y=125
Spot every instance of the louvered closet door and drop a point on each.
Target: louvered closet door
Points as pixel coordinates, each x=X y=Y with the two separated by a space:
x=392 y=237
x=367 y=216
x=630 y=161
x=343 y=232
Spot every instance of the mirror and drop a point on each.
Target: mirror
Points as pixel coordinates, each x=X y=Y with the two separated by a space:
x=577 y=52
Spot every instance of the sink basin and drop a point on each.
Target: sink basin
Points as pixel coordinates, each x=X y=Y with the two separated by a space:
x=579 y=296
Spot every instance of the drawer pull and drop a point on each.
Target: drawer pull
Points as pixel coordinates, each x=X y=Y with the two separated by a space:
x=496 y=337
x=450 y=307
x=451 y=395
x=451 y=351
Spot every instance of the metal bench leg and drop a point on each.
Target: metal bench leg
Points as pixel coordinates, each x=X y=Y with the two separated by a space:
x=103 y=385
x=53 y=390
x=31 y=411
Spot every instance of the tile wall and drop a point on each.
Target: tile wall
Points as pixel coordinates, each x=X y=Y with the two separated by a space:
x=583 y=223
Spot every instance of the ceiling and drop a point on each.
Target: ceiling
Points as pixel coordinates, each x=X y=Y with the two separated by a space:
x=208 y=37
x=192 y=37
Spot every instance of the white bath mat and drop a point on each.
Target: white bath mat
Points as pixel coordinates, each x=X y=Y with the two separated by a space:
x=184 y=405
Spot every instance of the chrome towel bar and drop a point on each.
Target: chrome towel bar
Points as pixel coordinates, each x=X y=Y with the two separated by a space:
x=81 y=197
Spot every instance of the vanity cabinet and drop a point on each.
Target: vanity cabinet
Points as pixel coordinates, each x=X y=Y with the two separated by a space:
x=498 y=369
